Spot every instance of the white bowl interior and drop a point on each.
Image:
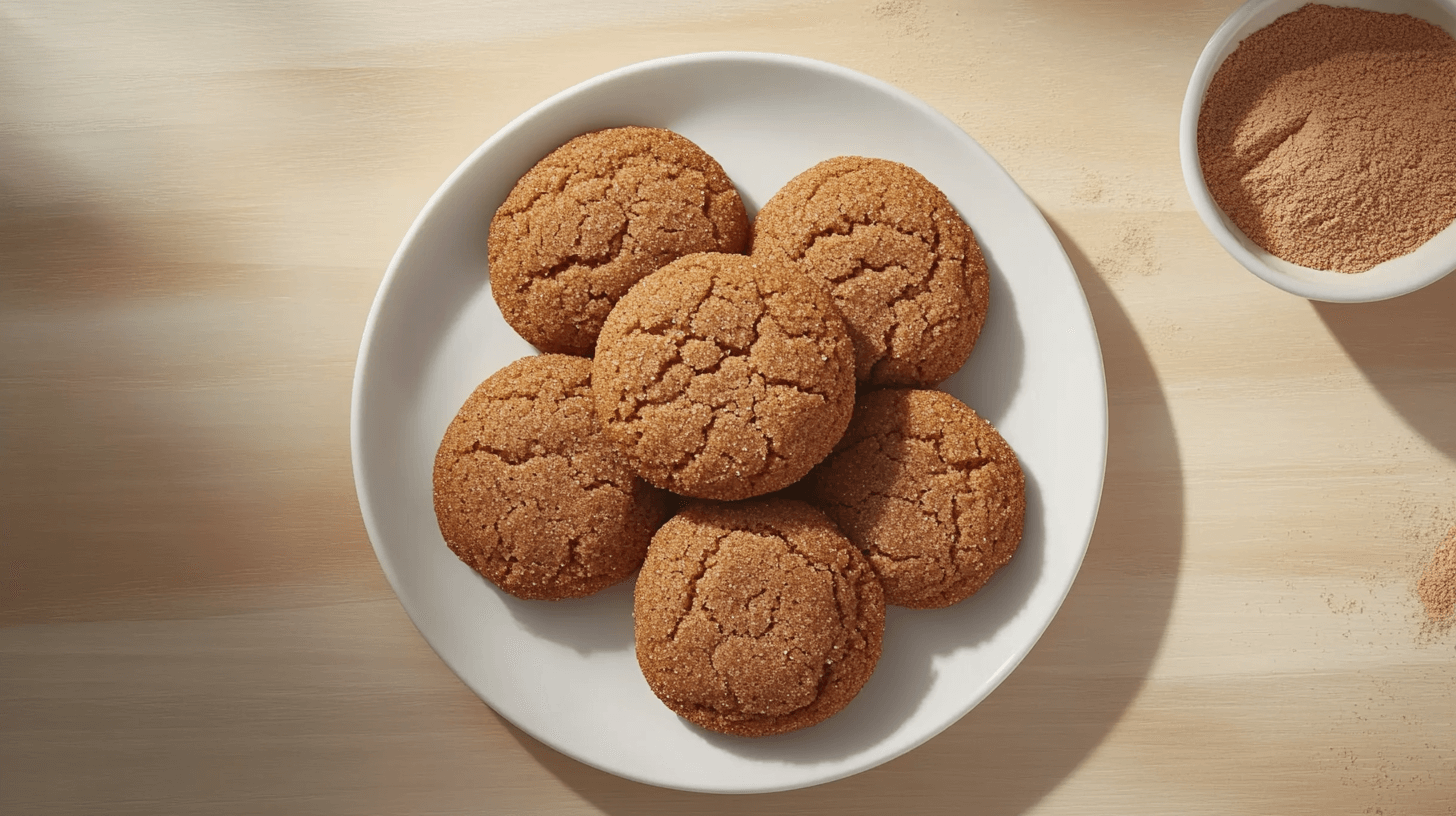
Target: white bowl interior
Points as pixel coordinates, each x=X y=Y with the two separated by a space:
x=1427 y=264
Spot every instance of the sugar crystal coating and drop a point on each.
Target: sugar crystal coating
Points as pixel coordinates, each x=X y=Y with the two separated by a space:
x=529 y=494
x=903 y=267
x=928 y=490
x=756 y=618
x=594 y=217
x=723 y=377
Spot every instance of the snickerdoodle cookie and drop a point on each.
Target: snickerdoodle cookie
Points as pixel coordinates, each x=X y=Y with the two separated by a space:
x=755 y=618
x=529 y=493
x=595 y=216
x=904 y=269
x=928 y=490
x=722 y=377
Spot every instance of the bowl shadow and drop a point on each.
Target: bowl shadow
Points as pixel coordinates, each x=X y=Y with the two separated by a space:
x=1406 y=349
x=1053 y=711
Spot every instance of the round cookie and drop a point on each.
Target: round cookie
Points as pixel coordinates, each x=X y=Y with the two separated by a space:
x=595 y=216
x=756 y=618
x=928 y=490
x=904 y=269
x=721 y=377
x=528 y=492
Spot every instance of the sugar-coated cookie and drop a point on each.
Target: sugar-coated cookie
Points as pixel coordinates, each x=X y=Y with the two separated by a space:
x=529 y=493
x=929 y=492
x=595 y=216
x=903 y=267
x=722 y=377
x=756 y=618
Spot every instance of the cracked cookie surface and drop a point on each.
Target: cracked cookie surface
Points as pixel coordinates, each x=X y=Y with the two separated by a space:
x=722 y=377
x=756 y=618
x=903 y=267
x=595 y=216
x=928 y=490
x=529 y=494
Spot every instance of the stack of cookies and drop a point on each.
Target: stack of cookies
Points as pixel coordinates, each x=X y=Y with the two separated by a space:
x=742 y=413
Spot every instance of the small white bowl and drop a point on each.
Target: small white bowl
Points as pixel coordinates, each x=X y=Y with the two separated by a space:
x=1427 y=264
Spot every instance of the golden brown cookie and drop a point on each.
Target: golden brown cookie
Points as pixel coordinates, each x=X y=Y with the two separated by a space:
x=904 y=269
x=594 y=217
x=928 y=490
x=756 y=618
x=723 y=378
x=529 y=493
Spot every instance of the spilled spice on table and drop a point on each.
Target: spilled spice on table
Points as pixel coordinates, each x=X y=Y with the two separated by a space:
x=1437 y=584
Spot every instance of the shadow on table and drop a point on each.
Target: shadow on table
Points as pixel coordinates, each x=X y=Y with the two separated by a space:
x=1406 y=348
x=1066 y=696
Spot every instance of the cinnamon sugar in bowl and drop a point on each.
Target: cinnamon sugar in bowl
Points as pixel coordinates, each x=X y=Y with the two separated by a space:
x=1318 y=143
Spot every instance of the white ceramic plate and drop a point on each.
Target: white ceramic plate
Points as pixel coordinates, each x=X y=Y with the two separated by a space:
x=565 y=672
x=1429 y=262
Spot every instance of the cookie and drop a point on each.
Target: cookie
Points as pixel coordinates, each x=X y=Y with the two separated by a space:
x=595 y=216
x=929 y=492
x=904 y=269
x=529 y=493
x=721 y=377
x=756 y=618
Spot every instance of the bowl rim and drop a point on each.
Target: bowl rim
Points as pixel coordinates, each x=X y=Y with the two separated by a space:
x=1313 y=284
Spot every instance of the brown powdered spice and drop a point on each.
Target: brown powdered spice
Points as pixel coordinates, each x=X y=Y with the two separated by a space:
x=1329 y=137
x=1437 y=585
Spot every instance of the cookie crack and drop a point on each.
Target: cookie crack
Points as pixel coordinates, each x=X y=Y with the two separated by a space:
x=899 y=559
x=638 y=401
x=771 y=308
x=595 y=484
x=890 y=439
x=802 y=388
x=717 y=367
x=477 y=446
x=616 y=190
x=576 y=259
x=686 y=461
x=794 y=548
x=842 y=615
x=558 y=188
x=849 y=623
x=772 y=620
x=700 y=569
x=917 y=503
x=846 y=226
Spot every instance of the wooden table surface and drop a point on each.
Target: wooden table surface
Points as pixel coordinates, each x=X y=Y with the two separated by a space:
x=198 y=199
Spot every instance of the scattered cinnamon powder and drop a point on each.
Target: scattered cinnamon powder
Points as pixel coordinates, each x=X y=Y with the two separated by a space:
x=1329 y=136
x=1437 y=585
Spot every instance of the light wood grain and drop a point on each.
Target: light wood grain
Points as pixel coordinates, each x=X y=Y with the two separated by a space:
x=197 y=203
